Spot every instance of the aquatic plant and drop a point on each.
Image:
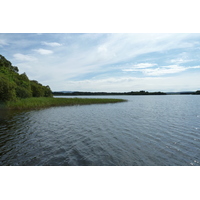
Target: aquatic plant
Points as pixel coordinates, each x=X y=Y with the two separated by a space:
x=41 y=102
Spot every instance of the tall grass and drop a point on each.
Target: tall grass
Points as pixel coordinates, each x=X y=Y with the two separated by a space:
x=40 y=102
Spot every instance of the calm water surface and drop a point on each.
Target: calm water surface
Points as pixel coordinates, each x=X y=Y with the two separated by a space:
x=146 y=130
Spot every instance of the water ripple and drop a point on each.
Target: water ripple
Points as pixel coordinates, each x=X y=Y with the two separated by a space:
x=146 y=130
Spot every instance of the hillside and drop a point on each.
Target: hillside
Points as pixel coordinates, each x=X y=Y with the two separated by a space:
x=14 y=86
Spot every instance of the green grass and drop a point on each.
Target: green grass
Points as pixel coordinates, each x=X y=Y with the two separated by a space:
x=41 y=102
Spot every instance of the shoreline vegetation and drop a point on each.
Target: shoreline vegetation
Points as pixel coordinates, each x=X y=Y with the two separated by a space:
x=44 y=102
x=18 y=92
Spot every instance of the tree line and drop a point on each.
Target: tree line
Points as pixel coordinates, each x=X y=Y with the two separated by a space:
x=142 y=92
x=14 y=86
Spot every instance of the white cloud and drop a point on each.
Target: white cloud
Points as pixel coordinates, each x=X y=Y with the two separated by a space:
x=194 y=67
x=139 y=66
x=129 y=70
x=97 y=52
x=171 y=69
x=3 y=42
x=183 y=57
x=180 y=60
x=114 y=48
x=44 y=51
x=144 y=65
x=126 y=46
x=23 y=57
x=159 y=71
x=52 y=44
x=102 y=48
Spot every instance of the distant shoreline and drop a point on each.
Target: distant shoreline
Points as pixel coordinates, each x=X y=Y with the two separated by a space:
x=123 y=93
x=106 y=93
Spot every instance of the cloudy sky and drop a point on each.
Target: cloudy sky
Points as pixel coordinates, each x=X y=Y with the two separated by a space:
x=107 y=62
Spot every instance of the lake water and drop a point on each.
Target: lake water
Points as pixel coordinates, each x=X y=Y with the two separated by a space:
x=145 y=131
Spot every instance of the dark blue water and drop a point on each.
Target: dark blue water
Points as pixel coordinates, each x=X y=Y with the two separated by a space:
x=145 y=131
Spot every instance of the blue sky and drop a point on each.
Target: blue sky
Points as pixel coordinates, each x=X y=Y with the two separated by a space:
x=107 y=62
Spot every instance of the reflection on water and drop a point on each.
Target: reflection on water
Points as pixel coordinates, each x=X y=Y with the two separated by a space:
x=146 y=130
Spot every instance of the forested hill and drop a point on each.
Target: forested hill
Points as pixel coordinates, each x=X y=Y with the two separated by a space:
x=14 y=86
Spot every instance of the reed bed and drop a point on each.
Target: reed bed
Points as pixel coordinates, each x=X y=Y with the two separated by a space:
x=41 y=102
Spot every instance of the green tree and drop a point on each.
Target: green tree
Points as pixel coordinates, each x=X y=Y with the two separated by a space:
x=37 y=89
x=198 y=92
x=7 y=89
x=23 y=89
x=47 y=91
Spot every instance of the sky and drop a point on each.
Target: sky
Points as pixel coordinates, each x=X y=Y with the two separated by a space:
x=108 y=62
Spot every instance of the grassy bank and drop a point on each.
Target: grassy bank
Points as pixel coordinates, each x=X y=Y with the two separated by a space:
x=41 y=102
